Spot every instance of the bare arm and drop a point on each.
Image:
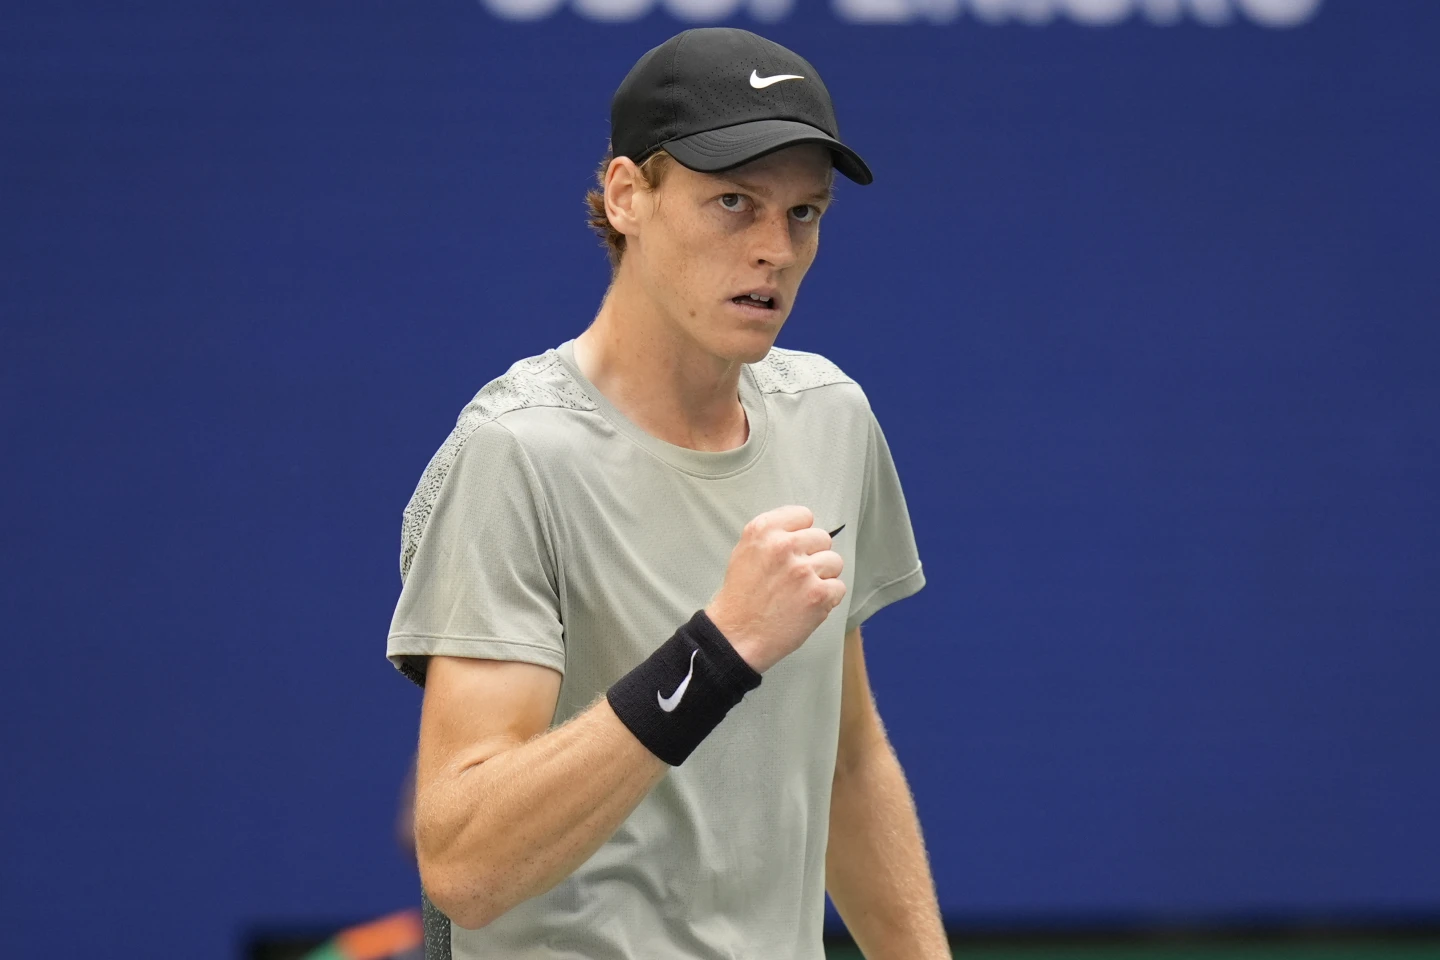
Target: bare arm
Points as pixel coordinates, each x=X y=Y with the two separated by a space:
x=875 y=866
x=503 y=809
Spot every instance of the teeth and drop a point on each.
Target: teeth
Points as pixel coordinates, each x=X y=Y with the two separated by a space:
x=756 y=296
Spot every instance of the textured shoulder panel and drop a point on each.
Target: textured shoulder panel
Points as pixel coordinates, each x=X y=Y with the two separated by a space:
x=791 y=371
x=539 y=381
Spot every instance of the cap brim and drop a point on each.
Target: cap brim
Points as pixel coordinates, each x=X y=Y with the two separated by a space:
x=717 y=150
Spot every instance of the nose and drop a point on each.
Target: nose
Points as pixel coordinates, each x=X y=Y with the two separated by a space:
x=774 y=245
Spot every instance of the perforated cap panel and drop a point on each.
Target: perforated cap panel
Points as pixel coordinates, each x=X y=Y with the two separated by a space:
x=712 y=78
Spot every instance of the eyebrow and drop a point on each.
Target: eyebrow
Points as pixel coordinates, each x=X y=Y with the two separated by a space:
x=827 y=195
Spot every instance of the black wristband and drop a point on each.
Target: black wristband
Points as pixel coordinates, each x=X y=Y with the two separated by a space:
x=683 y=690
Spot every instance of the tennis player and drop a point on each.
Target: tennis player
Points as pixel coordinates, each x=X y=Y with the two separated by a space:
x=635 y=574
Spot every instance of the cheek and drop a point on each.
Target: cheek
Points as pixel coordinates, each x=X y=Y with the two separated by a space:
x=699 y=259
x=807 y=245
x=678 y=270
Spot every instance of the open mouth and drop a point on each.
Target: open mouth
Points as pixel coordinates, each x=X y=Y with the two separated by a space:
x=754 y=301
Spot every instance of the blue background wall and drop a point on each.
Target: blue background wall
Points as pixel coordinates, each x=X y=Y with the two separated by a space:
x=1148 y=311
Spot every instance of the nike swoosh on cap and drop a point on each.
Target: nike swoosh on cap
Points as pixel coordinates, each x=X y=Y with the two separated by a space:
x=668 y=704
x=760 y=83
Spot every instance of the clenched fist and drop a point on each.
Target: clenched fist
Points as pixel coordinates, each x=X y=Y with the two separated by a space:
x=782 y=581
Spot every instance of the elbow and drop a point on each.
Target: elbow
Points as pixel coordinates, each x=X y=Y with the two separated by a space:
x=472 y=919
x=467 y=902
x=472 y=882
x=477 y=914
x=467 y=893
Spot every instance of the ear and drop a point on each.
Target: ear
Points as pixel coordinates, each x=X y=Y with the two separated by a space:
x=626 y=199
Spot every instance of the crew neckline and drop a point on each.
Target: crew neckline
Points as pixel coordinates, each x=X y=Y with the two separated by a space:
x=705 y=463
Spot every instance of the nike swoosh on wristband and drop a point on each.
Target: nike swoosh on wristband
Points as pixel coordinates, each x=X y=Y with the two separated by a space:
x=669 y=703
x=760 y=83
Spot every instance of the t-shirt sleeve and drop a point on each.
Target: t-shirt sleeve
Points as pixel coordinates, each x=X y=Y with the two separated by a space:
x=887 y=563
x=482 y=582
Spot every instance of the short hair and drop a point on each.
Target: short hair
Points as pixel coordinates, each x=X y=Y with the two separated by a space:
x=652 y=171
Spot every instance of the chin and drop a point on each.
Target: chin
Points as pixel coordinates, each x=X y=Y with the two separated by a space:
x=747 y=342
x=748 y=346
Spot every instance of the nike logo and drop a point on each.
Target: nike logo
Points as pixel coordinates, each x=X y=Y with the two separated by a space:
x=671 y=702
x=760 y=83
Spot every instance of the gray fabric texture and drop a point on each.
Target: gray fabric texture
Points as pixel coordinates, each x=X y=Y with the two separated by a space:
x=551 y=529
x=437 y=930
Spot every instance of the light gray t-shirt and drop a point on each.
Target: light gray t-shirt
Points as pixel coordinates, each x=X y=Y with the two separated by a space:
x=551 y=529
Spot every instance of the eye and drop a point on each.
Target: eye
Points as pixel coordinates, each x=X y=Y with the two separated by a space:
x=735 y=202
x=805 y=213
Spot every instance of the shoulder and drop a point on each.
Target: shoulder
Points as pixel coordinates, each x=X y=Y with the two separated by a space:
x=799 y=373
x=795 y=371
x=539 y=381
x=532 y=383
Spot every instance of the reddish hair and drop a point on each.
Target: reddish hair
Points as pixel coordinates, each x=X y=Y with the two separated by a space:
x=652 y=172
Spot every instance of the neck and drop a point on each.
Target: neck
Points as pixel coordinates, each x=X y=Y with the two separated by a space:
x=658 y=375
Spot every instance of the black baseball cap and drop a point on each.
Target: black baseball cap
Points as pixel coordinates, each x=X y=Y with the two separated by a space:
x=717 y=97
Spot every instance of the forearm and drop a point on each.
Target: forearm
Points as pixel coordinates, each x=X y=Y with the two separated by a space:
x=494 y=833
x=875 y=867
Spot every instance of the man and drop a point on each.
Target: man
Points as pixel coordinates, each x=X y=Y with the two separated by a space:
x=667 y=474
